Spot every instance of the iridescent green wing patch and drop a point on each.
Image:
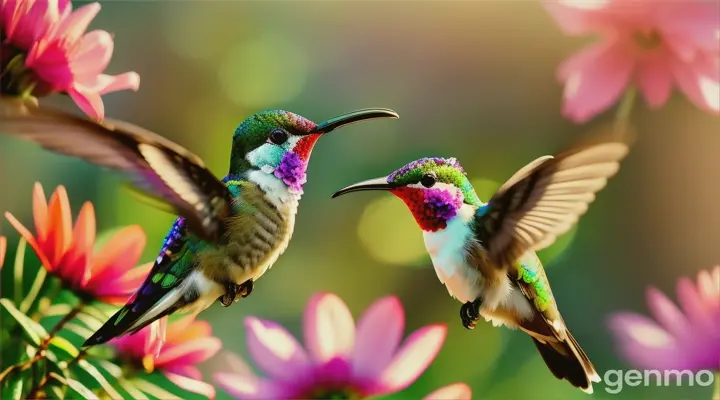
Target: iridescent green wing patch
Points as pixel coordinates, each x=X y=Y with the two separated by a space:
x=529 y=271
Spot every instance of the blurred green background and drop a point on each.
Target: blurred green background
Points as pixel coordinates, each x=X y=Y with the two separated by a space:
x=472 y=80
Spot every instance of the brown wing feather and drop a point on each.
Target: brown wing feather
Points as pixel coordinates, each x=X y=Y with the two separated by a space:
x=545 y=199
x=157 y=166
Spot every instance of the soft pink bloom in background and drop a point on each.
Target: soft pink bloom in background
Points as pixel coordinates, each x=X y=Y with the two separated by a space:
x=456 y=391
x=653 y=44
x=61 y=54
x=338 y=357
x=69 y=253
x=175 y=349
x=680 y=339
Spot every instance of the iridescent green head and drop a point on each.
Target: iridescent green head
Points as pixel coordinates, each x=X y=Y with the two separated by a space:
x=280 y=142
x=434 y=189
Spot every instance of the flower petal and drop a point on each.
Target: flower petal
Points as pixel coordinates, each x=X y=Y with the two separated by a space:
x=594 y=79
x=188 y=353
x=329 y=328
x=693 y=307
x=60 y=225
x=456 y=391
x=275 y=350
x=644 y=343
x=114 y=83
x=416 y=354
x=379 y=332
x=93 y=55
x=187 y=329
x=246 y=387
x=120 y=253
x=40 y=212
x=575 y=17
x=72 y=27
x=3 y=247
x=655 y=81
x=76 y=261
x=191 y=385
x=25 y=233
x=667 y=313
x=88 y=101
x=701 y=89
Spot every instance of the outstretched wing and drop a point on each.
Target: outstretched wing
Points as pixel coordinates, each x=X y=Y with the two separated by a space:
x=171 y=267
x=545 y=199
x=162 y=169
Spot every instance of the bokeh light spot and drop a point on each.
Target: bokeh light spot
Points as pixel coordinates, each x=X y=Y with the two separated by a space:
x=389 y=232
x=265 y=71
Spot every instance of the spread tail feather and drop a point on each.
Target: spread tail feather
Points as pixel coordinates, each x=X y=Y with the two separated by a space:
x=134 y=317
x=567 y=360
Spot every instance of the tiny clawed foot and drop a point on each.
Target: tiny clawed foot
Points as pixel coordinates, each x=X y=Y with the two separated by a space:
x=470 y=313
x=235 y=292
x=246 y=288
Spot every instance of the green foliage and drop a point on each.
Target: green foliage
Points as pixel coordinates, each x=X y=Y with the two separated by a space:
x=43 y=326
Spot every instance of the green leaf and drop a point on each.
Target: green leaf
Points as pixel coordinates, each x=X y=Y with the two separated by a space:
x=132 y=390
x=65 y=346
x=89 y=321
x=57 y=310
x=14 y=388
x=34 y=290
x=153 y=389
x=79 y=330
x=33 y=331
x=18 y=270
x=99 y=378
x=80 y=389
x=58 y=392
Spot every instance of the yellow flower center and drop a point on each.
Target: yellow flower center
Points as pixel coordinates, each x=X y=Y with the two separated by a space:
x=647 y=40
x=148 y=363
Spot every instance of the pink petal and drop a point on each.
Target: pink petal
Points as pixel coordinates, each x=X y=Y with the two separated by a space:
x=40 y=212
x=695 y=22
x=3 y=248
x=667 y=313
x=456 y=391
x=114 y=83
x=120 y=253
x=574 y=19
x=328 y=327
x=379 y=332
x=709 y=286
x=189 y=353
x=72 y=27
x=699 y=83
x=189 y=371
x=25 y=233
x=594 y=79
x=655 y=81
x=246 y=387
x=191 y=385
x=644 y=343
x=94 y=54
x=694 y=308
x=88 y=101
x=275 y=350
x=416 y=354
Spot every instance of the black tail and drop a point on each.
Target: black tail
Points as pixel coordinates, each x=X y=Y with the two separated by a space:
x=121 y=323
x=567 y=360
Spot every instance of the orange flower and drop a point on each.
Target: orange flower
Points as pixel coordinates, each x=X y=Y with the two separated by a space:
x=68 y=253
x=3 y=247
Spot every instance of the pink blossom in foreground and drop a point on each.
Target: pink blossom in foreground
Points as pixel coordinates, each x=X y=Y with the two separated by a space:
x=680 y=339
x=175 y=349
x=652 y=44
x=27 y=21
x=63 y=57
x=68 y=252
x=339 y=359
x=456 y=391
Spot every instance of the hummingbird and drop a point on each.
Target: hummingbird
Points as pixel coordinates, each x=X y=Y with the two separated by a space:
x=484 y=253
x=229 y=231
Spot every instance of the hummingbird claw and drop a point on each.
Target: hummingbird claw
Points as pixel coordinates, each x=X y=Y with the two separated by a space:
x=470 y=313
x=246 y=288
x=234 y=292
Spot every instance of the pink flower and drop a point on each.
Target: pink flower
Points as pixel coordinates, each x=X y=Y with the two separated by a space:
x=651 y=44
x=27 y=21
x=186 y=343
x=682 y=340
x=63 y=57
x=339 y=359
x=68 y=252
x=456 y=391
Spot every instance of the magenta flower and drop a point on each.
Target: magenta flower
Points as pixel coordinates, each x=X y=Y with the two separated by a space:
x=61 y=55
x=339 y=359
x=680 y=339
x=651 y=44
x=174 y=349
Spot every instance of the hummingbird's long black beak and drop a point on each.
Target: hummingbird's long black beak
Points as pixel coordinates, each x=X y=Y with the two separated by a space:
x=372 y=184
x=352 y=117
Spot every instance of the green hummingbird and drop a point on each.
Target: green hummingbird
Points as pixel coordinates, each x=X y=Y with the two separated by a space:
x=484 y=253
x=229 y=232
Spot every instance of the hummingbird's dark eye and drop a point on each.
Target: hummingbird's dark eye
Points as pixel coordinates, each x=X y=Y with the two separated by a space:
x=278 y=136
x=428 y=180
